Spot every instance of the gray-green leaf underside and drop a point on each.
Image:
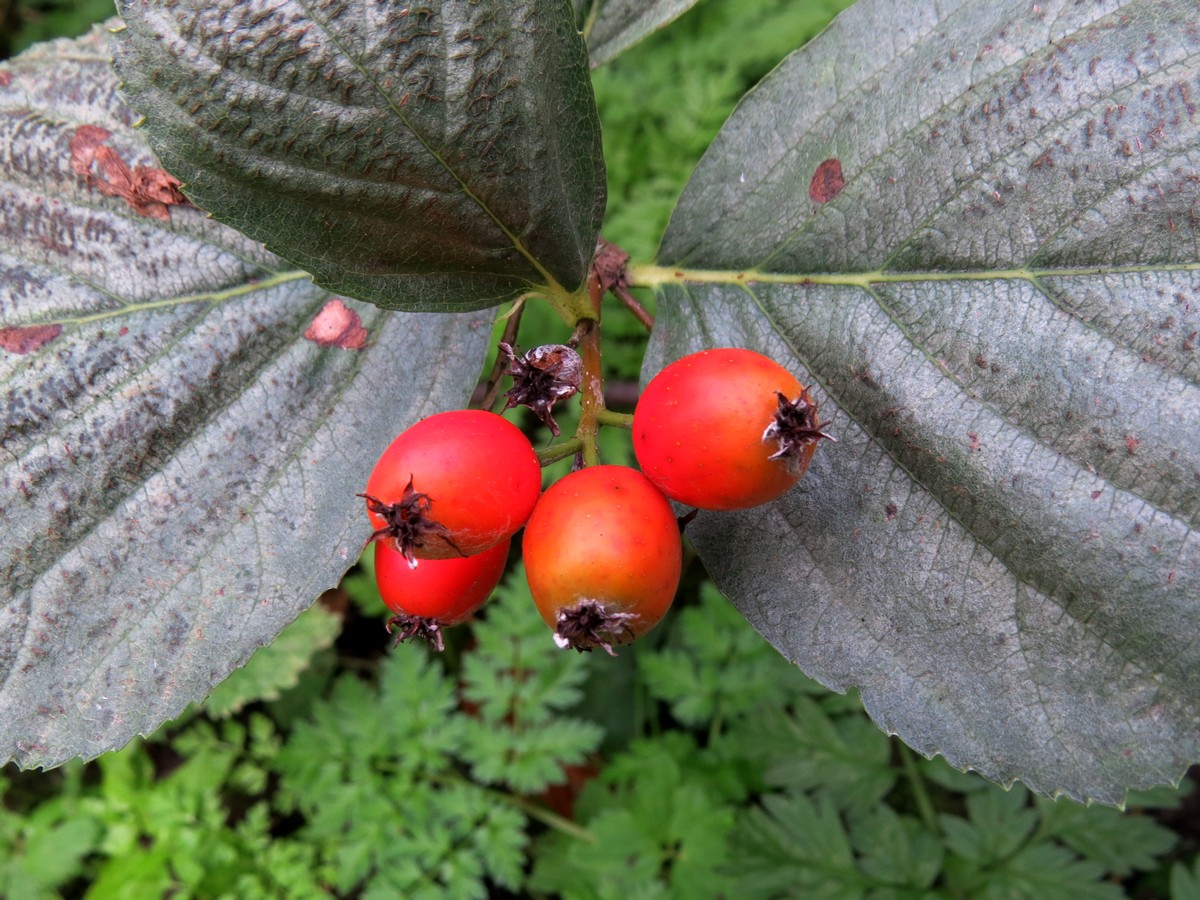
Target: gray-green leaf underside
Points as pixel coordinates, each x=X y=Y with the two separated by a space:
x=974 y=227
x=613 y=26
x=439 y=156
x=186 y=421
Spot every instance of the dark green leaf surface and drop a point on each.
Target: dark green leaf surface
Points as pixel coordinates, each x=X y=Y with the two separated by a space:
x=995 y=293
x=179 y=461
x=435 y=156
x=613 y=26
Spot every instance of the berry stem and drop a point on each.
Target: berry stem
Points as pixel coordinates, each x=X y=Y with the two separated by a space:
x=591 y=397
x=591 y=388
x=615 y=419
x=492 y=386
x=554 y=453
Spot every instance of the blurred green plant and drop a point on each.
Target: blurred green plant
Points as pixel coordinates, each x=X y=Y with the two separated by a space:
x=422 y=776
x=25 y=22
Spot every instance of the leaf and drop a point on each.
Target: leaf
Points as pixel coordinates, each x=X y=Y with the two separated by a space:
x=715 y=666
x=657 y=831
x=518 y=683
x=996 y=296
x=613 y=26
x=1120 y=841
x=444 y=156
x=793 y=846
x=180 y=461
x=1185 y=883
x=896 y=850
x=374 y=774
x=841 y=755
x=1000 y=824
x=1047 y=872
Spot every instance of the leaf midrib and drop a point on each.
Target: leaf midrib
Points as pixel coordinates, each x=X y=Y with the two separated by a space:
x=656 y=276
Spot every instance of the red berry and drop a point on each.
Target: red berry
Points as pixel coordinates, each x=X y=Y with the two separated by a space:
x=602 y=555
x=452 y=485
x=436 y=593
x=725 y=429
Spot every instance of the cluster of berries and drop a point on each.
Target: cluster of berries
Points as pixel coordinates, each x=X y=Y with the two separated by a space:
x=719 y=430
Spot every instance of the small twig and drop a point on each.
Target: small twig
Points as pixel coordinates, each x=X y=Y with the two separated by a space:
x=578 y=334
x=610 y=266
x=630 y=302
x=491 y=390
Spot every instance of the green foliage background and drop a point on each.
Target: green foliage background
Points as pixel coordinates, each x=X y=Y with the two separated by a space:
x=697 y=764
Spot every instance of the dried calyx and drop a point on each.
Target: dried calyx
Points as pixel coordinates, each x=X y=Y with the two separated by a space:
x=795 y=427
x=407 y=523
x=406 y=627
x=542 y=377
x=588 y=625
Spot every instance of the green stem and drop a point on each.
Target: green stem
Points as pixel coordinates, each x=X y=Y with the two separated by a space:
x=573 y=308
x=591 y=395
x=534 y=810
x=210 y=297
x=549 y=818
x=651 y=276
x=554 y=453
x=591 y=386
x=920 y=795
x=615 y=419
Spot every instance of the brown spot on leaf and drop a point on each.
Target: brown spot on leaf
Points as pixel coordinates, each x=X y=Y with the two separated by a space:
x=827 y=182
x=5 y=78
x=84 y=143
x=337 y=325
x=148 y=190
x=22 y=339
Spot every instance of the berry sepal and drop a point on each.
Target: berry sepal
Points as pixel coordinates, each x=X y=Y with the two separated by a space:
x=406 y=627
x=795 y=428
x=588 y=625
x=407 y=523
x=542 y=377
